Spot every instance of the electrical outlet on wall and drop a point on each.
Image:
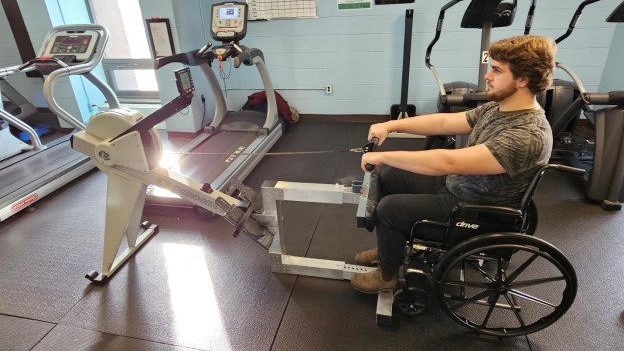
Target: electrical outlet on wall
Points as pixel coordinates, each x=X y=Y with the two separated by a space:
x=329 y=89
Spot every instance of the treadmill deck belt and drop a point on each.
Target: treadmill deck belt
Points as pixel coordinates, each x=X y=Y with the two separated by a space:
x=33 y=168
x=227 y=146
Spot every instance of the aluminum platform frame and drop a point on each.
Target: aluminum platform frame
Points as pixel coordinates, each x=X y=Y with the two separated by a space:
x=281 y=262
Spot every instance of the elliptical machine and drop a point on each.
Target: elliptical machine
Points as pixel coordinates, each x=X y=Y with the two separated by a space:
x=604 y=183
x=556 y=100
x=460 y=96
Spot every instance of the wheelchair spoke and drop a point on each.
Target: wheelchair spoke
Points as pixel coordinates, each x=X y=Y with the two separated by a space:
x=522 y=273
x=521 y=269
x=471 y=300
x=526 y=283
x=485 y=274
x=500 y=270
x=480 y=285
x=514 y=309
x=531 y=298
x=489 y=312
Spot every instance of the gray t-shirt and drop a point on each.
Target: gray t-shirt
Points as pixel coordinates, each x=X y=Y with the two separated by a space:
x=521 y=141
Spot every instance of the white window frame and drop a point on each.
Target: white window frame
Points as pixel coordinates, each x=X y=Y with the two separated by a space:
x=129 y=64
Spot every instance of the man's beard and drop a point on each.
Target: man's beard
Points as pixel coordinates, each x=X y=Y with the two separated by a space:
x=502 y=94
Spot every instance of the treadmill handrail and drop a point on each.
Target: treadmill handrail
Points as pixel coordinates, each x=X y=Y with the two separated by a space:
x=186 y=58
x=575 y=18
x=249 y=57
x=11 y=70
x=79 y=69
x=271 y=117
x=21 y=125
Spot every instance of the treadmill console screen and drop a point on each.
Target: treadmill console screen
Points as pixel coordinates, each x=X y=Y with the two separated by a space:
x=229 y=21
x=71 y=44
x=184 y=81
x=226 y=13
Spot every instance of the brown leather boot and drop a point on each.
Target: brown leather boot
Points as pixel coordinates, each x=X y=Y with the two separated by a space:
x=367 y=258
x=372 y=282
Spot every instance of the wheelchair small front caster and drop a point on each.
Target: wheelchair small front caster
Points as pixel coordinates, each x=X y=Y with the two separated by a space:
x=411 y=301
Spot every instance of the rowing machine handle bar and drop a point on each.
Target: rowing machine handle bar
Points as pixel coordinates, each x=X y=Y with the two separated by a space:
x=375 y=142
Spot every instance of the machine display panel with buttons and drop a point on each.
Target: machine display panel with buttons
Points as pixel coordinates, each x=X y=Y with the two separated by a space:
x=229 y=21
x=79 y=44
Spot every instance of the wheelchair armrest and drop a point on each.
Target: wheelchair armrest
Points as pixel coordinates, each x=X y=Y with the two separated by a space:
x=469 y=219
x=424 y=223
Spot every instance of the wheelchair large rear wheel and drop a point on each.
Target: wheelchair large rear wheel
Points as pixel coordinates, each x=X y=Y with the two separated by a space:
x=506 y=284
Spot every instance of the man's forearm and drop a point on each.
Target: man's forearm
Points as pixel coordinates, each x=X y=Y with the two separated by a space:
x=433 y=124
x=423 y=125
x=473 y=160
x=430 y=162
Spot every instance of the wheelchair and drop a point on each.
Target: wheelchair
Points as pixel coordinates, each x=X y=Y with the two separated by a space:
x=489 y=272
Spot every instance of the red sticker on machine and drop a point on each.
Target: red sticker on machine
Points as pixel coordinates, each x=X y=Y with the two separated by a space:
x=25 y=202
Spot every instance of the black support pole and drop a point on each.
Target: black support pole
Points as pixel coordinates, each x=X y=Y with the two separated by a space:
x=404 y=110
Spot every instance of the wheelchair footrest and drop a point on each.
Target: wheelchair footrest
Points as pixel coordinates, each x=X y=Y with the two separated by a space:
x=385 y=300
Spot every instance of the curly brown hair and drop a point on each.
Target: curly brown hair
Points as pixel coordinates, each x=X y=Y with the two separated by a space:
x=529 y=56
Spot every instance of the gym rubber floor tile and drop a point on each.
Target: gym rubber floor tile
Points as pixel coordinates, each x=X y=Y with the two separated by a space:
x=591 y=238
x=312 y=168
x=17 y=334
x=193 y=285
x=45 y=253
x=328 y=315
x=337 y=237
x=64 y=338
x=299 y=225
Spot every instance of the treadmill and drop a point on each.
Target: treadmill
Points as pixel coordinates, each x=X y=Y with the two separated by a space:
x=235 y=141
x=29 y=175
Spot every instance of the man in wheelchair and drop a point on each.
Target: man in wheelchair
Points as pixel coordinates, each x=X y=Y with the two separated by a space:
x=509 y=141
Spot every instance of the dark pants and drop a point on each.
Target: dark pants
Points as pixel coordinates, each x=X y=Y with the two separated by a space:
x=407 y=197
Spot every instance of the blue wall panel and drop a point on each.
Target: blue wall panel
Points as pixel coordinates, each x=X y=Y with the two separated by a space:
x=360 y=52
x=613 y=76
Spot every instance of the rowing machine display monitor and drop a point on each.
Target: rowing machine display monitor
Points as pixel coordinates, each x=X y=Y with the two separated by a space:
x=184 y=81
x=229 y=21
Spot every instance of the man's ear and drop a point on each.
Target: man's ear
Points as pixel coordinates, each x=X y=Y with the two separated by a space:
x=522 y=82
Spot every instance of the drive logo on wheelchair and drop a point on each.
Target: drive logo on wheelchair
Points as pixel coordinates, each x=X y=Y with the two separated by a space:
x=466 y=225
